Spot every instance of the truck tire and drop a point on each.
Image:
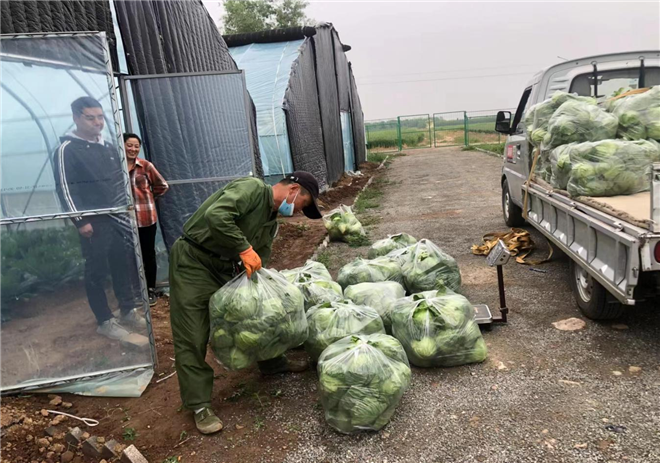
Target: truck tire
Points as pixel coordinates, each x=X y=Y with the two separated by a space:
x=511 y=212
x=592 y=298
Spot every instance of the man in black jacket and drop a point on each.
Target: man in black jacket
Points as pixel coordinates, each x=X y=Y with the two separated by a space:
x=88 y=177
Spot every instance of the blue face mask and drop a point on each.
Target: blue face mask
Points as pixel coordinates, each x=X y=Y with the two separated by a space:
x=287 y=209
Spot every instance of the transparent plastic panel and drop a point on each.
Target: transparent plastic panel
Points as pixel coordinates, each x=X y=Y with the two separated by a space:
x=58 y=150
x=57 y=286
x=347 y=138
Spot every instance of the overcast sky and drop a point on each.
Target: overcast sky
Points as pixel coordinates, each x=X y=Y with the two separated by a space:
x=425 y=57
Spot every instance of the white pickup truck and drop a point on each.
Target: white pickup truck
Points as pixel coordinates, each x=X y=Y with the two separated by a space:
x=613 y=242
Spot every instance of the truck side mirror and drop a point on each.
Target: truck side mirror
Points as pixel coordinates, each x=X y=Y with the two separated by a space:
x=503 y=122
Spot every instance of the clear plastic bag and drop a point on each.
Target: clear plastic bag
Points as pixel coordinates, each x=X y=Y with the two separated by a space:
x=639 y=115
x=427 y=268
x=342 y=224
x=362 y=379
x=370 y=270
x=611 y=167
x=315 y=282
x=380 y=295
x=578 y=122
x=333 y=321
x=389 y=244
x=256 y=319
x=538 y=116
x=560 y=162
x=437 y=330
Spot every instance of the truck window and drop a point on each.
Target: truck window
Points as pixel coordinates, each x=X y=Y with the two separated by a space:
x=611 y=83
x=522 y=107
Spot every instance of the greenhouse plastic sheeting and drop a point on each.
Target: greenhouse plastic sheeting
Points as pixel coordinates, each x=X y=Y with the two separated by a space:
x=267 y=68
x=301 y=103
x=343 y=79
x=196 y=152
x=326 y=79
x=347 y=137
x=359 y=139
x=67 y=227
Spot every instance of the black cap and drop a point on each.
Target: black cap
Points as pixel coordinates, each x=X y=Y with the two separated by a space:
x=309 y=183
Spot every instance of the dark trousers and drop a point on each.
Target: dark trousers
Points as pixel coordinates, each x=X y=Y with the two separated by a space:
x=108 y=253
x=194 y=277
x=148 y=247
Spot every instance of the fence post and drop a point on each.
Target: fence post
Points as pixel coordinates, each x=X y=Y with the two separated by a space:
x=428 y=119
x=398 y=131
x=466 y=128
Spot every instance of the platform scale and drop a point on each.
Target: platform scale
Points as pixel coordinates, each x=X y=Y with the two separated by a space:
x=497 y=257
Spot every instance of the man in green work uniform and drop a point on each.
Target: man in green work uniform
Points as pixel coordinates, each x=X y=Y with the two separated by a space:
x=232 y=231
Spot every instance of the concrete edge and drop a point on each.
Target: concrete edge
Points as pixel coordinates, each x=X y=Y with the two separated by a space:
x=491 y=153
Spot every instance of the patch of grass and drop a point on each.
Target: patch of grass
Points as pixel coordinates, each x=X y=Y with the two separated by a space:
x=376 y=157
x=369 y=198
x=259 y=423
x=368 y=220
x=129 y=434
x=324 y=258
x=356 y=241
x=302 y=227
x=468 y=148
x=183 y=435
x=171 y=460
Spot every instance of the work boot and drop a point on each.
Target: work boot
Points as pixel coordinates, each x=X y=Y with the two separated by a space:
x=207 y=422
x=153 y=299
x=112 y=329
x=293 y=366
x=133 y=319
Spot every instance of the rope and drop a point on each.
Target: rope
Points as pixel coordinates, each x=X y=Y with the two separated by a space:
x=529 y=179
x=88 y=421
x=518 y=242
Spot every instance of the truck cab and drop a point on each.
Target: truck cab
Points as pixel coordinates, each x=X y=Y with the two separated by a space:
x=608 y=254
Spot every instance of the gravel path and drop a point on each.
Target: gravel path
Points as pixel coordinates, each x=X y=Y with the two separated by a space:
x=543 y=395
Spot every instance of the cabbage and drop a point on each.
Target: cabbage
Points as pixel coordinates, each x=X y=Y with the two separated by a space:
x=426 y=267
x=333 y=321
x=363 y=271
x=639 y=115
x=538 y=116
x=380 y=295
x=608 y=167
x=256 y=319
x=342 y=225
x=362 y=379
x=579 y=121
x=315 y=282
x=392 y=242
x=438 y=330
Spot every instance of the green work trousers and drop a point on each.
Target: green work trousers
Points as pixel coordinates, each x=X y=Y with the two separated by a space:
x=194 y=277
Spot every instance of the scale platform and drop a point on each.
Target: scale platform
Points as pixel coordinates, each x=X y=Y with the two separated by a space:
x=482 y=314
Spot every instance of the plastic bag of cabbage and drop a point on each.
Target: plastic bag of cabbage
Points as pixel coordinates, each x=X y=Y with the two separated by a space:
x=389 y=244
x=639 y=115
x=256 y=319
x=362 y=379
x=380 y=295
x=579 y=121
x=426 y=267
x=560 y=161
x=342 y=225
x=438 y=331
x=315 y=282
x=611 y=167
x=537 y=117
x=333 y=321
x=370 y=270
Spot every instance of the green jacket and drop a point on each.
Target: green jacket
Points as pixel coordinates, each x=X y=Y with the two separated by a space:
x=234 y=218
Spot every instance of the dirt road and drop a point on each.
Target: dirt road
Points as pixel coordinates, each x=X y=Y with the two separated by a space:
x=543 y=394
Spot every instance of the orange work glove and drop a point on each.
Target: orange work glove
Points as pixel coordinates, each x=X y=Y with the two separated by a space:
x=251 y=261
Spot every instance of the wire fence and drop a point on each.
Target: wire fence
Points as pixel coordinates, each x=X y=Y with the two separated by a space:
x=451 y=128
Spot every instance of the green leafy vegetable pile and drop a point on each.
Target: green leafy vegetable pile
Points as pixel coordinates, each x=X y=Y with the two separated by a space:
x=315 y=282
x=438 y=331
x=607 y=168
x=370 y=270
x=380 y=295
x=362 y=379
x=639 y=115
x=579 y=121
x=392 y=242
x=256 y=319
x=426 y=267
x=342 y=225
x=333 y=321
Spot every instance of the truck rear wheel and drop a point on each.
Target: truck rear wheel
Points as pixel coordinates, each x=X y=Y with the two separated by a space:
x=592 y=298
x=511 y=212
